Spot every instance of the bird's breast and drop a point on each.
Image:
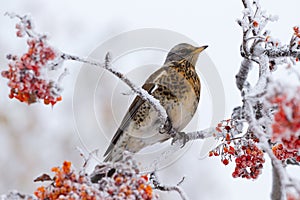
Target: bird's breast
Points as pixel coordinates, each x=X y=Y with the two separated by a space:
x=179 y=95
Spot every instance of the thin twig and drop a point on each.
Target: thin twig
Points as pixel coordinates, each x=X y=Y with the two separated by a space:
x=157 y=185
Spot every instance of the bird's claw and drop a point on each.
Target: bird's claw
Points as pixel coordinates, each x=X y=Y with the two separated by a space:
x=166 y=127
x=180 y=136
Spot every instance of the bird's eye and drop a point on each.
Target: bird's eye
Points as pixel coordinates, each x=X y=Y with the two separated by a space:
x=182 y=51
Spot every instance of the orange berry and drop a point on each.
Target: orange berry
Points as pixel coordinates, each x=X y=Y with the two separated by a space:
x=59 y=98
x=227 y=137
x=66 y=167
x=46 y=101
x=55 y=169
x=225 y=149
x=255 y=24
x=148 y=190
x=118 y=180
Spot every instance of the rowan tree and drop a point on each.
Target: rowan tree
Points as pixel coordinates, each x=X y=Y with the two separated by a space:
x=266 y=123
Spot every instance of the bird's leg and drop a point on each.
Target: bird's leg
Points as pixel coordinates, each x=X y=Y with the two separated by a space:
x=179 y=136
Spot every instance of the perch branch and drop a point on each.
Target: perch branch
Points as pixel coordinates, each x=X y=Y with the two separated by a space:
x=162 y=114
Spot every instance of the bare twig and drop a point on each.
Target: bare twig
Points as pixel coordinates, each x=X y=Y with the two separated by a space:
x=157 y=185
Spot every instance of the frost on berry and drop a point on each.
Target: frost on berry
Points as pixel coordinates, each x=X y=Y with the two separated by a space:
x=249 y=162
x=109 y=181
x=286 y=121
x=242 y=150
x=28 y=74
x=291 y=196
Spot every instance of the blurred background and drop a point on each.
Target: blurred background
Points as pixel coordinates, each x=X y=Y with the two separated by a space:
x=37 y=137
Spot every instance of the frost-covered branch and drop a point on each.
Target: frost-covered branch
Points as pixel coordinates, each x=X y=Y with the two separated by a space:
x=202 y=134
x=278 y=169
x=15 y=195
x=276 y=187
x=159 y=186
x=162 y=114
x=243 y=74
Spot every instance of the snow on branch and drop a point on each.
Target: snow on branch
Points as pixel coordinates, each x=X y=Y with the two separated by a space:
x=162 y=114
x=157 y=185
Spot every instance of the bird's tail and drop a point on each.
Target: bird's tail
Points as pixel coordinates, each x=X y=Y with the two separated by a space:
x=108 y=157
x=115 y=155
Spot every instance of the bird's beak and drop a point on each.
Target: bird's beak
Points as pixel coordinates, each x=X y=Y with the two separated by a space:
x=199 y=49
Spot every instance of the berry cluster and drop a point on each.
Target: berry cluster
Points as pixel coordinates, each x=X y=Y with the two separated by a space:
x=287 y=117
x=125 y=183
x=249 y=162
x=130 y=188
x=286 y=125
x=67 y=185
x=122 y=181
x=27 y=74
x=248 y=157
x=282 y=153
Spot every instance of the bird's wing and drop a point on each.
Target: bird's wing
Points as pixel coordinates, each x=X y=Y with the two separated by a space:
x=138 y=101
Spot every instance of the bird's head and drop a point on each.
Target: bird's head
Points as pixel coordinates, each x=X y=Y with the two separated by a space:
x=185 y=52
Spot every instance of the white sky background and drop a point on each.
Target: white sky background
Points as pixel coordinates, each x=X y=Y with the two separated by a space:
x=35 y=138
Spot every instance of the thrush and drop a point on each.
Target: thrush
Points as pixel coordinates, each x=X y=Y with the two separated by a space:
x=177 y=87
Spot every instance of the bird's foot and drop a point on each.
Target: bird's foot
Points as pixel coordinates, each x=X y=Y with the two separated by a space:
x=181 y=136
x=166 y=128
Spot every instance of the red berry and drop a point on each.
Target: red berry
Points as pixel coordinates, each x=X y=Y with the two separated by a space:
x=225 y=162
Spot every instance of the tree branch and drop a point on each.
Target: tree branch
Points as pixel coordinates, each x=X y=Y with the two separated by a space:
x=242 y=75
x=162 y=114
x=282 y=52
x=277 y=165
x=157 y=185
x=276 y=186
